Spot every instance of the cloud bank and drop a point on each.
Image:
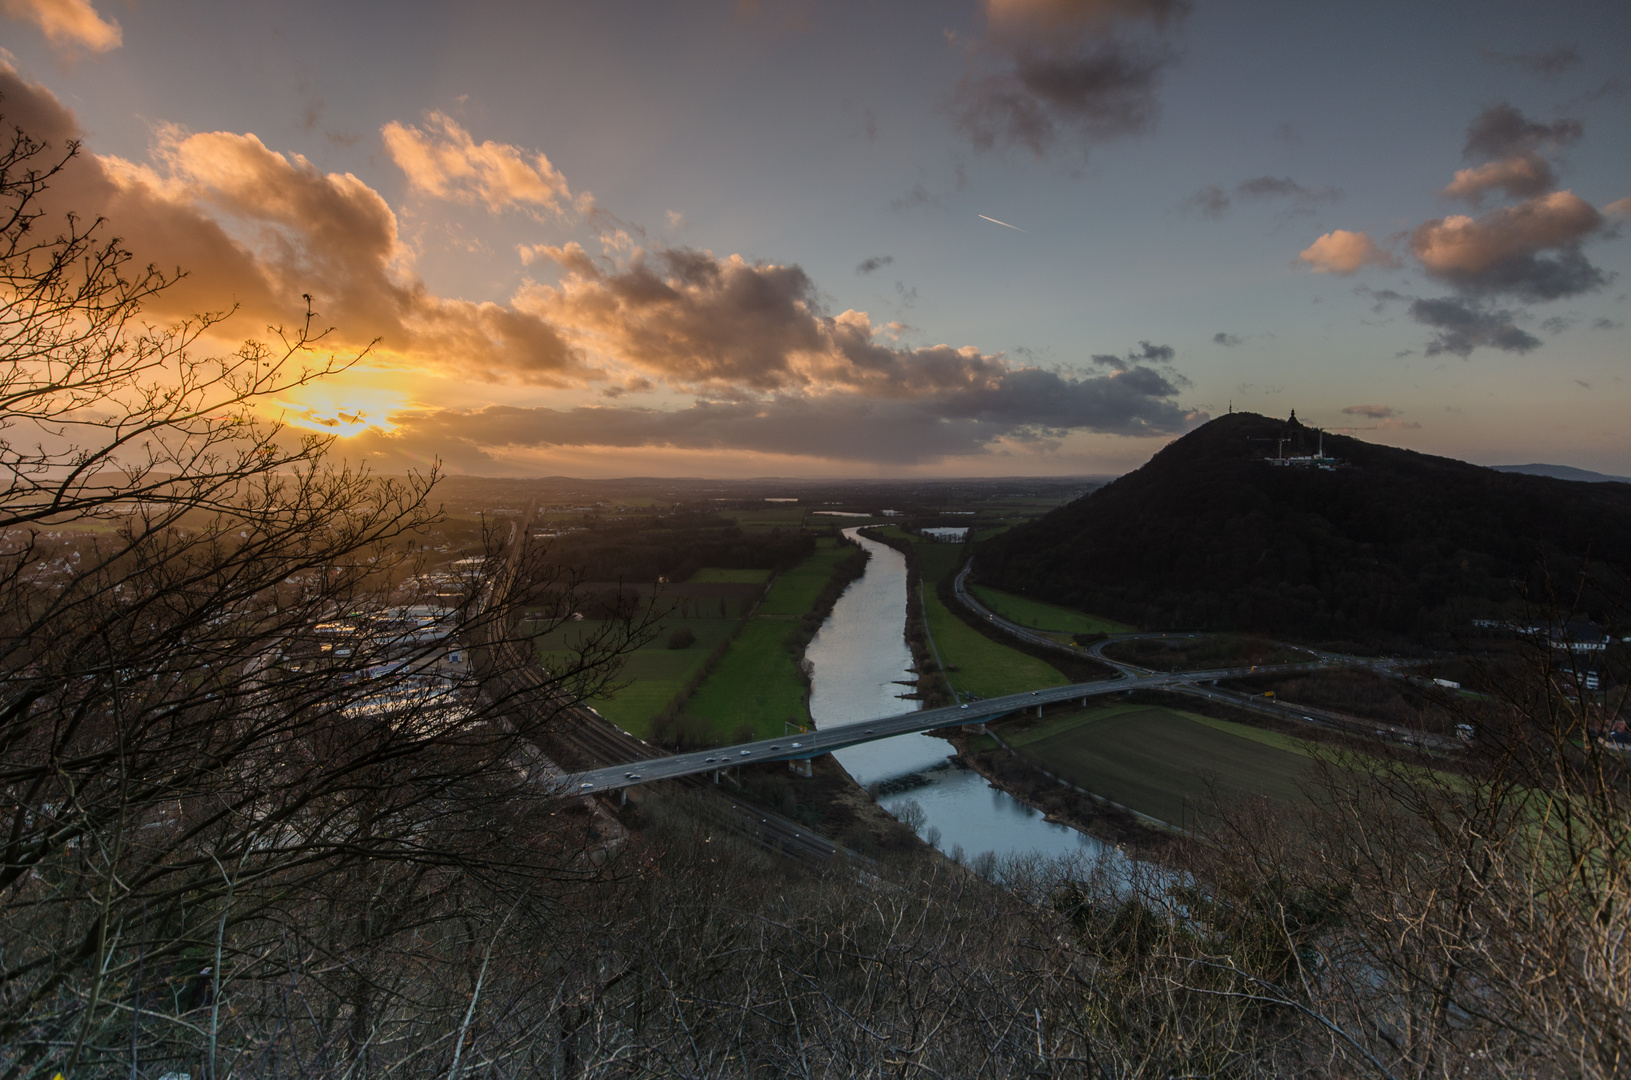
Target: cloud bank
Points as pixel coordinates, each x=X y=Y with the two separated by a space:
x=769 y=369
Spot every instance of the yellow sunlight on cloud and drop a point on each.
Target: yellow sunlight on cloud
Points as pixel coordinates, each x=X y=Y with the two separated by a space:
x=67 y=23
x=343 y=405
x=441 y=159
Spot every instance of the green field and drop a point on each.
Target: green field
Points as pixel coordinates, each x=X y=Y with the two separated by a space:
x=757 y=683
x=1047 y=617
x=655 y=673
x=983 y=667
x=713 y=575
x=795 y=590
x=1158 y=761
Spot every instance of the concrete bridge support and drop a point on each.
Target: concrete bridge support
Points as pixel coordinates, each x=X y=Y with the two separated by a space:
x=801 y=766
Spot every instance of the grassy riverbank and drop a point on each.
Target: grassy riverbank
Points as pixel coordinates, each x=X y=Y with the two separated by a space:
x=1048 y=618
x=756 y=688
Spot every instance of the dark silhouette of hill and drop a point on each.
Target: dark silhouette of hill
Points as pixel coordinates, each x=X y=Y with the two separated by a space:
x=1564 y=472
x=1389 y=544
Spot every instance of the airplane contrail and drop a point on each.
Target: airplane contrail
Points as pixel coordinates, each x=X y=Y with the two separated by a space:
x=1004 y=224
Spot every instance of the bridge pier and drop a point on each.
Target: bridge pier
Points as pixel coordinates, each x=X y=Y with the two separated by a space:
x=801 y=767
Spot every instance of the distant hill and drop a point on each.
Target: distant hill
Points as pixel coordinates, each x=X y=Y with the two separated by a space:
x=1564 y=472
x=1390 y=544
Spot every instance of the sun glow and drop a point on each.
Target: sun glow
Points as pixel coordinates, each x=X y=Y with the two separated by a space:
x=343 y=410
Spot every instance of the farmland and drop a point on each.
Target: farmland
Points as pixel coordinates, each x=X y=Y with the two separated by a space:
x=974 y=663
x=756 y=684
x=1165 y=763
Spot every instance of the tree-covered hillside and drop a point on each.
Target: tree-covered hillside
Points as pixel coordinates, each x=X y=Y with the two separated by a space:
x=1388 y=544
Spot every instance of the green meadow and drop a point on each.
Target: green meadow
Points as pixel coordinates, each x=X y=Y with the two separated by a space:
x=1049 y=618
x=974 y=663
x=757 y=684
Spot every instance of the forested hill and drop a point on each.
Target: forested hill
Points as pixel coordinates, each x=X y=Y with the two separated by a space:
x=1391 y=543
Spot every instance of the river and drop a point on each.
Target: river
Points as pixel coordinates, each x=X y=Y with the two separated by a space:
x=860 y=662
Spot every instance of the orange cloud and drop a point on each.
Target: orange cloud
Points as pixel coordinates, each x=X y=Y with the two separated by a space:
x=67 y=23
x=1619 y=208
x=260 y=229
x=1498 y=250
x=773 y=370
x=1519 y=177
x=441 y=159
x=1344 y=252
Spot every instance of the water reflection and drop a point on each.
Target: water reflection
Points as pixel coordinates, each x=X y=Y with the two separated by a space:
x=860 y=667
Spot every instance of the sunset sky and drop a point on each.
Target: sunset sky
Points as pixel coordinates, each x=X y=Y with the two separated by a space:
x=1010 y=237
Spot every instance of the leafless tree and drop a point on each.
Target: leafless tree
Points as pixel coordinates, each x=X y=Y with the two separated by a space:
x=1463 y=914
x=230 y=753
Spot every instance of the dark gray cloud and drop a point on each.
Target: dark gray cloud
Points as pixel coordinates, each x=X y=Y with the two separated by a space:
x=1370 y=412
x=1502 y=131
x=1227 y=340
x=753 y=342
x=1213 y=202
x=1464 y=325
x=1381 y=298
x=917 y=196
x=876 y=262
x=1146 y=353
x=1104 y=90
x=1530 y=251
x=1028 y=405
x=1548 y=64
x=1605 y=324
x=1065 y=73
x=1210 y=201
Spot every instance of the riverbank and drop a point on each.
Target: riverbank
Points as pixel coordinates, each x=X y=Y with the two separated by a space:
x=756 y=686
x=1062 y=803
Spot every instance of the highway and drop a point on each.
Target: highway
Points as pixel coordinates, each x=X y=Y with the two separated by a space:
x=828 y=739
x=641 y=763
x=1197 y=684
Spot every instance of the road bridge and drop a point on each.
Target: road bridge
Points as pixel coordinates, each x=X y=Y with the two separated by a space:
x=837 y=737
x=651 y=768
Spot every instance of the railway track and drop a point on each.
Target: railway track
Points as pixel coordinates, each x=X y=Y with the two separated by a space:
x=580 y=738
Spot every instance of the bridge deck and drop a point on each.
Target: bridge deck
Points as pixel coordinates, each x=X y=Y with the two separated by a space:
x=826 y=740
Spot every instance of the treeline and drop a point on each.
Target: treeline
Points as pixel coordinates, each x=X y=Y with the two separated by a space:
x=798 y=638
x=672 y=547
x=1391 y=545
